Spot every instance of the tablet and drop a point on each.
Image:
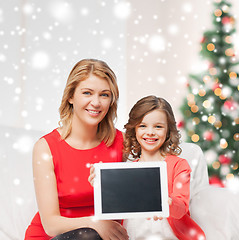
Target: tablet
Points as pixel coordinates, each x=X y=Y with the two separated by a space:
x=130 y=190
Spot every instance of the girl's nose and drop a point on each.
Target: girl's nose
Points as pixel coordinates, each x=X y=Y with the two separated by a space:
x=151 y=132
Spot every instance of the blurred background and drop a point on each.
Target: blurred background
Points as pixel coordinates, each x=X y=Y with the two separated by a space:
x=151 y=45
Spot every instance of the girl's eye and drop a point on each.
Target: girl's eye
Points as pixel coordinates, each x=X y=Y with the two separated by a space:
x=142 y=125
x=158 y=127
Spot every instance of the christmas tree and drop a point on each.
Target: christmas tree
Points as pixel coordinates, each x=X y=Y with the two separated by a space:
x=211 y=108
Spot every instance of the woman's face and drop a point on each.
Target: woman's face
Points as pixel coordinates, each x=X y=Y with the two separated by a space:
x=91 y=101
x=151 y=133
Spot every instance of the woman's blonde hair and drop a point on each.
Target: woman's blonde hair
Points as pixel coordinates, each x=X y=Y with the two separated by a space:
x=80 y=72
x=136 y=115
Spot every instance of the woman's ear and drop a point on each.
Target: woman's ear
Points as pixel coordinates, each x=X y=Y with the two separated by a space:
x=70 y=100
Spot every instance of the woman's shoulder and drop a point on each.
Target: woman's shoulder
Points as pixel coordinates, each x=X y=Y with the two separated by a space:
x=42 y=143
x=54 y=133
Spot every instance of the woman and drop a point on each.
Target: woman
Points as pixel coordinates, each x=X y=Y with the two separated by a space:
x=61 y=158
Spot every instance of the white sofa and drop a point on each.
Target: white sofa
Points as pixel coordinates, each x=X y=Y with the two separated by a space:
x=17 y=200
x=216 y=210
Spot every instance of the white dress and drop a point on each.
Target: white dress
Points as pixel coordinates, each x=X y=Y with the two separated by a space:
x=143 y=229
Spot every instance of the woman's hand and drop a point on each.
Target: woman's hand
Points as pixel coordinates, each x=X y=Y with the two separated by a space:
x=92 y=175
x=111 y=230
x=161 y=218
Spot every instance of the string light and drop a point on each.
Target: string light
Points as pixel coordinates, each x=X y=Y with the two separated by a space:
x=196 y=120
x=216 y=165
x=236 y=120
x=194 y=108
x=218 y=91
x=236 y=136
x=195 y=138
x=206 y=79
x=225 y=8
x=211 y=119
x=210 y=47
x=201 y=92
x=218 y=12
x=218 y=124
x=229 y=176
x=206 y=104
x=223 y=97
x=228 y=39
x=191 y=101
x=190 y=97
x=223 y=143
x=213 y=71
x=232 y=75
x=229 y=52
x=234 y=166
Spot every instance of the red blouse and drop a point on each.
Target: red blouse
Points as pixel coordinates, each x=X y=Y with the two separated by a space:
x=72 y=171
x=183 y=226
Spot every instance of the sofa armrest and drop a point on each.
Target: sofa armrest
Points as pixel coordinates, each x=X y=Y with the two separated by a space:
x=199 y=175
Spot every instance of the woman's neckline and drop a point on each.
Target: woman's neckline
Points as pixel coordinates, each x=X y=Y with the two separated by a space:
x=77 y=149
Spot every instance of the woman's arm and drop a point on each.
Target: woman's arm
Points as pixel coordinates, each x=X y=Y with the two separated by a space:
x=48 y=204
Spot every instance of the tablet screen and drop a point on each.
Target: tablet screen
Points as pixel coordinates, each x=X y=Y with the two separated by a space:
x=125 y=190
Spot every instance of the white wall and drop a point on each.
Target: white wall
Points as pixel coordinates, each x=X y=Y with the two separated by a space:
x=42 y=40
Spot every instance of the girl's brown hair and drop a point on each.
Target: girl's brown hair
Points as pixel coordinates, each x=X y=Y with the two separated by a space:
x=136 y=115
x=80 y=72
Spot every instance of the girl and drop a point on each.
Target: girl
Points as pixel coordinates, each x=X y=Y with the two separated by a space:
x=61 y=158
x=151 y=135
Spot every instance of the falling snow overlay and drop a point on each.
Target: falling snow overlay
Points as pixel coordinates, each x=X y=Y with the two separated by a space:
x=152 y=46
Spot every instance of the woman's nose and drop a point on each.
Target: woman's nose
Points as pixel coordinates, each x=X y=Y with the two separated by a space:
x=95 y=101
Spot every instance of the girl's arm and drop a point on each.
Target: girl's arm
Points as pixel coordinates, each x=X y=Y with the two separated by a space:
x=181 y=190
x=48 y=204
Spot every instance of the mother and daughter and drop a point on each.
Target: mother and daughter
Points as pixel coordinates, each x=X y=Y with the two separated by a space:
x=87 y=135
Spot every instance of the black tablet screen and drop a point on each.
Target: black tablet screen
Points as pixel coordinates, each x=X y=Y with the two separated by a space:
x=131 y=190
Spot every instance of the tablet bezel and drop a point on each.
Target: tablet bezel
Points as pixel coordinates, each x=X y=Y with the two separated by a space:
x=161 y=165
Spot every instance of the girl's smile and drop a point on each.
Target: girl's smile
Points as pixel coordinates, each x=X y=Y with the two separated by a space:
x=150 y=140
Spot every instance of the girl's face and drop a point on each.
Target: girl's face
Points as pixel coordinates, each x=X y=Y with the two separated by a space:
x=151 y=133
x=91 y=101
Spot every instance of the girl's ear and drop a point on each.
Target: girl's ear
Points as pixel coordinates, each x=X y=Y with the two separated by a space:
x=168 y=135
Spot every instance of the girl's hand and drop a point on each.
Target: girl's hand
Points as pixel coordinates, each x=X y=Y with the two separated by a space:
x=170 y=201
x=92 y=175
x=160 y=218
x=111 y=230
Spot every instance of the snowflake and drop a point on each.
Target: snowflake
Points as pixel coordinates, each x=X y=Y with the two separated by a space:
x=122 y=10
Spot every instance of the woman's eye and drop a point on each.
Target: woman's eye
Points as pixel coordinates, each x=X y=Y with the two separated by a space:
x=86 y=93
x=105 y=95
